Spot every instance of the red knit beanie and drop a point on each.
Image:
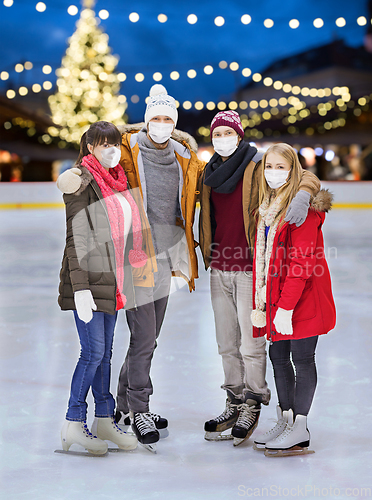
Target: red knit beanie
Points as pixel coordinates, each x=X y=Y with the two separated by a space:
x=228 y=119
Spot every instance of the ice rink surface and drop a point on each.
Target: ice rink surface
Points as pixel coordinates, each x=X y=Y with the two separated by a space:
x=39 y=349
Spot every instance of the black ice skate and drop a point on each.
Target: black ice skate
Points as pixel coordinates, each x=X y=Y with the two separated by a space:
x=214 y=428
x=144 y=428
x=160 y=423
x=124 y=418
x=249 y=413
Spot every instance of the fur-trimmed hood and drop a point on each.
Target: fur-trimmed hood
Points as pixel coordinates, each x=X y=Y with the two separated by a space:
x=322 y=202
x=178 y=135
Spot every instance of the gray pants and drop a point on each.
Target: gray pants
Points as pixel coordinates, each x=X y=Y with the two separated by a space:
x=243 y=357
x=135 y=387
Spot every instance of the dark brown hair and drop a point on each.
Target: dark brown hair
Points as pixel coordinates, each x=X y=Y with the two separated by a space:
x=98 y=133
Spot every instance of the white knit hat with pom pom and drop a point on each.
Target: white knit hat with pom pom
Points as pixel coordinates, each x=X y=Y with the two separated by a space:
x=160 y=104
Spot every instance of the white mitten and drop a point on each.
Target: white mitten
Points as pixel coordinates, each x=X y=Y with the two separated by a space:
x=69 y=182
x=84 y=305
x=283 y=321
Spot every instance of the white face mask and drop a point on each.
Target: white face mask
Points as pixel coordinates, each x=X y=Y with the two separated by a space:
x=160 y=132
x=225 y=146
x=276 y=178
x=110 y=157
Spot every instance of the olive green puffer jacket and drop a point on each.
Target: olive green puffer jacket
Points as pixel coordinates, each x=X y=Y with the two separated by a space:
x=89 y=257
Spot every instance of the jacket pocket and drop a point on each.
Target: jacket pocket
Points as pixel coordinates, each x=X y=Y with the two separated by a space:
x=306 y=306
x=95 y=268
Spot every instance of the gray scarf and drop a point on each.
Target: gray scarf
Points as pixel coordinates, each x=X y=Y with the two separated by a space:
x=152 y=155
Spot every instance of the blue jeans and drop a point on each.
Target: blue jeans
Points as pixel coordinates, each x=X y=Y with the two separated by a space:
x=93 y=368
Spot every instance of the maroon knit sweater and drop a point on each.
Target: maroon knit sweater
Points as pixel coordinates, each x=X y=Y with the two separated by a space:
x=230 y=246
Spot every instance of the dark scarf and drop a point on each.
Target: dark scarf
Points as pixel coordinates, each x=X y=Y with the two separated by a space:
x=223 y=176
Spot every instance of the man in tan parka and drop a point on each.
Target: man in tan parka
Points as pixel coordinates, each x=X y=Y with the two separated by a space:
x=163 y=171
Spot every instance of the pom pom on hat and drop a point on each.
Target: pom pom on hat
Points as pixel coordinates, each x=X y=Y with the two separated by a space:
x=258 y=318
x=160 y=104
x=157 y=89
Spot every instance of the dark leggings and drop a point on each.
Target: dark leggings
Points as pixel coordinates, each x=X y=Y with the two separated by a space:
x=295 y=373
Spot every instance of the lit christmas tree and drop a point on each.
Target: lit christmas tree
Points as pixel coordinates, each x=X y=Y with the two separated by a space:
x=87 y=83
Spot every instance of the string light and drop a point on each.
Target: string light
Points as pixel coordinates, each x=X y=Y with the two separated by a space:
x=139 y=77
x=192 y=19
x=208 y=70
x=40 y=7
x=318 y=23
x=162 y=18
x=268 y=23
x=246 y=19
x=72 y=10
x=219 y=21
x=8 y=3
x=340 y=22
x=103 y=14
x=191 y=73
x=294 y=24
x=134 y=17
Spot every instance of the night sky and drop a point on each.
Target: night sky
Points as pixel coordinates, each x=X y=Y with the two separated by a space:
x=149 y=46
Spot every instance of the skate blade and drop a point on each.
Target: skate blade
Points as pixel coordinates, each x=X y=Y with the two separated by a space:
x=149 y=447
x=258 y=447
x=80 y=453
x=291 y=452
x=127 y=429
x=119 y=450
x=217 y=436
x=238 y=441
x=163 y=433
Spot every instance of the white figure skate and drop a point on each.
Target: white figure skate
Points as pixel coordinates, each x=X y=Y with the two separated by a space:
x=283 y=418
x=78 y=433
x=294 y=440
x=107 y=430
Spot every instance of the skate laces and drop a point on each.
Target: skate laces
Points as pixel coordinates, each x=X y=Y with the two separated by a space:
x=247 y=415
x=155 y=417
x=275 y=429
x=228 y=412
x=86 y=430
x=144 y=422
x=287 y=430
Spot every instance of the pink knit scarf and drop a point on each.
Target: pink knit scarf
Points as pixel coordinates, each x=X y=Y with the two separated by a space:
x=116 y=179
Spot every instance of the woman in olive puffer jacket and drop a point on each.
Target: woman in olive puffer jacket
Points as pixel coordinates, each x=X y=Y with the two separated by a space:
x=103 y=242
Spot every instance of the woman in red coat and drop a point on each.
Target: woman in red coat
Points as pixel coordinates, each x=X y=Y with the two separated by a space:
x=292 y=296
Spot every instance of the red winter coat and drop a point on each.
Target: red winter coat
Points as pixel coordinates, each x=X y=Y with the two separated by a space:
x=299 y=278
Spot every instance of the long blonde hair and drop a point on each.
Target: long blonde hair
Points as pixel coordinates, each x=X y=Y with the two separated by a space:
x=290 y=188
